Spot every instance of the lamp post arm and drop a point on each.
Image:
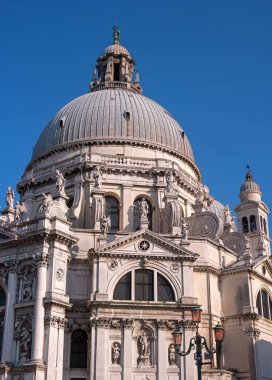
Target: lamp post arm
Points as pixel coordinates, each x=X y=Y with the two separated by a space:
x=204 y=344
x=191 y=347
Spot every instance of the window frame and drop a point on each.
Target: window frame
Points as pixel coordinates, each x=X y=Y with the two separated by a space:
x=79 y=352
x=265 y=311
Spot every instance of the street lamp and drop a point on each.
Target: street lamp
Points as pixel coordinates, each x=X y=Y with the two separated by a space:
x=199 y=341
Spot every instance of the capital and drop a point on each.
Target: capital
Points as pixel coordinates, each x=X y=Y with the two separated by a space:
x=41 y=258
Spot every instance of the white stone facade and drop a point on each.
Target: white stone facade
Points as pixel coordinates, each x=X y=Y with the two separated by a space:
x=114 y=241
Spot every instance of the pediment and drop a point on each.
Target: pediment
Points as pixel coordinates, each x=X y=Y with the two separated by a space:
x=5 y=235
x=264 y=267
x=147 y=243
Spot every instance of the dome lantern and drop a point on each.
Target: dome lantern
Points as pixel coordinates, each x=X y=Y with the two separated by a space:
x=115 y=68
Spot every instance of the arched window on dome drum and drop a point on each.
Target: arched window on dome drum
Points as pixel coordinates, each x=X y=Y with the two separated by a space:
x=112 y=210
x=137 y=213
x=264 y=304
x=245 y=225
x=252 y=223
x=143 y=287
x=79 y=349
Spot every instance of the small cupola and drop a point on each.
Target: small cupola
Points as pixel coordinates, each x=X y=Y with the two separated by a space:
x=250 y=190
x=115 y=68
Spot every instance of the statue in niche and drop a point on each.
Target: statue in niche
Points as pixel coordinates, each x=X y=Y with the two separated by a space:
x=27 y=292
x=105 y=224
x=172 y=354
x=60 y=181
x=97 y=177
x=144 y=349
x=184 y=232
x=47 y=200
x=116 y=353
x=18 y=211
x=143 y=207
x=25 y=339
x=171 y=183
x=10 y=197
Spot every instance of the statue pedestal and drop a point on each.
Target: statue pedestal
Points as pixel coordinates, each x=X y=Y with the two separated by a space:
x=143 y=223
x=102 y=240
x=9 y=213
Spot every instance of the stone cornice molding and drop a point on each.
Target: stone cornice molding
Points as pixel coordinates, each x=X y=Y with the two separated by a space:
x=207 y=269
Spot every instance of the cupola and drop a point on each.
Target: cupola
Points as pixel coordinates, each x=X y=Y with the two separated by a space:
x=115 y=68
x=250 y=190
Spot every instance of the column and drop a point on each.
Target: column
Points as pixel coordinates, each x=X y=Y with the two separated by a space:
x=101 y=351
x=60 y=351
x=38 y=325
x=162 y=352
x=8 y=338
x=127 y=350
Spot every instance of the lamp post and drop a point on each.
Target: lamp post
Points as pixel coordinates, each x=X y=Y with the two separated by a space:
x=198 y=342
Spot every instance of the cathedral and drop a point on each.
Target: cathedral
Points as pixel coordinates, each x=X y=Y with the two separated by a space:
x=117 y=263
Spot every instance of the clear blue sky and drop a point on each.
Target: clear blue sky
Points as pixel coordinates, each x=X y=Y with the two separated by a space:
x=207 y=62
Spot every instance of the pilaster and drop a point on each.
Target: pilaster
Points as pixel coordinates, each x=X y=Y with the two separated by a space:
x=127 y=349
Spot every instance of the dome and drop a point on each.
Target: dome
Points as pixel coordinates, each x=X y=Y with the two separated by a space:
x=249 y=184
x=116 y=49
x=113 y=116
x=218 y=209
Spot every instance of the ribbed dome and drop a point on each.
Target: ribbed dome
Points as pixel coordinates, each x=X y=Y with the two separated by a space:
x=116 y=49
x=113 y=115
x=218 y=209
x=249 y=184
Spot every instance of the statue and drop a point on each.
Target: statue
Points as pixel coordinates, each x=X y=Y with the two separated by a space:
x=116 y=353
x=27 y=284
x=105 y=224
x=17 y=211
x=97 y=177
x=143 y=206
x=60 y=181
x=184 y=233
x=171 y=183
x=144 y=349
x=25 y=342
x=172 y=354
x=10 y=197
x=47 y=200
x=200 y=194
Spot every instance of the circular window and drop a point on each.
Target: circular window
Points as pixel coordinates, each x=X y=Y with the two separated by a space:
x=144 y=245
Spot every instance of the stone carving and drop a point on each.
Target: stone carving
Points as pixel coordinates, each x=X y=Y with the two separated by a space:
x=10 y=197
x=78 y=195
x=60 y=274
x=234 y=241
x=105 y=224
x=171 y=183
x=143 y=207
x=24 y=335
x=17 y=215
x=261 y=247
x=113 y=264
x=172 y=217
x=60 y=181
x=175 y=267
x=116 y=353
x=172 y=354
x=252 y=332
x=230 y=224
x=144 y=349
x=205 y=224
x=46 y=203
x=41 y=258
x=200 y=197
x=141 y=211
x=97 y=177
x=27 y=283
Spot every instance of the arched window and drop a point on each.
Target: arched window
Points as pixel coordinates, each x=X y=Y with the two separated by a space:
x=139 y=204
x=264 y=304
x=252 y=223
x=165 y=291
x=261 y=223
x=143 y=285
x=264 y=226
x=245 y=225
x=112 y=210
x=79 y=349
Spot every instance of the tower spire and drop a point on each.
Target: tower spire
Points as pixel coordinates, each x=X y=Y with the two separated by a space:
x=116 y=34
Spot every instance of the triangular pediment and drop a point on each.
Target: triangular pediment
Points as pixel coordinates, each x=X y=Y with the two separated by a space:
x=264 y=267
x=147 y=243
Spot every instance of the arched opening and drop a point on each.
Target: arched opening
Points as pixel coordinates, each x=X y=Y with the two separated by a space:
x=245 y=225
x=144 y=285
x=264 y=226
x=264 y=304
x=112 y=210
x=79 y=348
x=142 y=206
x=252 y=223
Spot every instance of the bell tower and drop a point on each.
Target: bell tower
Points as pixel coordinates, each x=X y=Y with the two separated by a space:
x=252 y=215
x=115 y=68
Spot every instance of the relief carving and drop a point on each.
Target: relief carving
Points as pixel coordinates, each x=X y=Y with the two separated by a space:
x=116 y=353
x=144 y=349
